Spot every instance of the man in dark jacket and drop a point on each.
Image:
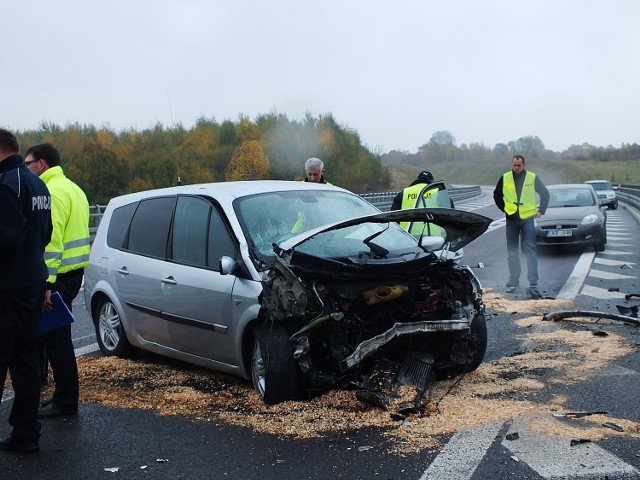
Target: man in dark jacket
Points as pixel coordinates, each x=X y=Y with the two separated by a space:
x=25 y=231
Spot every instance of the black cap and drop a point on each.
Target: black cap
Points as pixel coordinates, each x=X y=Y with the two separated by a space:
x=426 y=176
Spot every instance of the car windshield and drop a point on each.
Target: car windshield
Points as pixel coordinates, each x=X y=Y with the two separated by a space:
x=601 y=186
x=571 y=197
x=268 y=219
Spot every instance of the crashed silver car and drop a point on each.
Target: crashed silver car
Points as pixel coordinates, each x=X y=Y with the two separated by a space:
x=299 y=287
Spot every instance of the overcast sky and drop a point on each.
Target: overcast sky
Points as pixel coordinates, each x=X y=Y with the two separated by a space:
x=488 y=71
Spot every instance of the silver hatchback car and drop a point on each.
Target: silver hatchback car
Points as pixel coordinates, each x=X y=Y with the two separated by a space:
x=300 y=287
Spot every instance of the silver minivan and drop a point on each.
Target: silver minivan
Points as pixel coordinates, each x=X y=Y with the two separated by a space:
x=300 y=287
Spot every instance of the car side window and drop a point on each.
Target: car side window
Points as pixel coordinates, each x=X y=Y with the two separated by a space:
x=119 y=225
x=149 y=231
x=189 y=239
x=221 y=242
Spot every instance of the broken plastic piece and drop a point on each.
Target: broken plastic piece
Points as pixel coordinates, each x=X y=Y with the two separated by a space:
x=600 y=333
x=578 y=441
x=586 y=313
x=584 y=414
x=512 y=436
x=628 y=311
x=613 y=426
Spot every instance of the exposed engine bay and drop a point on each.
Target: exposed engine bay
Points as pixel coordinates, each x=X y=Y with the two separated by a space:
x=375 y=326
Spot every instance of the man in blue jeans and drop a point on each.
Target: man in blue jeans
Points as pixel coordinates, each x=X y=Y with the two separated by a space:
x=515 y=195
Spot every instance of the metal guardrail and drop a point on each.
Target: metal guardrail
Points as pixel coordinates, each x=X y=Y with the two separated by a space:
x=384 y=200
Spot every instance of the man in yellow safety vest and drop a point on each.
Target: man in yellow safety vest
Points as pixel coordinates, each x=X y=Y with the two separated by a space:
x=515 y=195
x=66 y=257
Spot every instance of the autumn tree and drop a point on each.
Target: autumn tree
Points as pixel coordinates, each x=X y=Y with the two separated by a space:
x=248 y=162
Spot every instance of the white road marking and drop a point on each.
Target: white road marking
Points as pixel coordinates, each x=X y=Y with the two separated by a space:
x=553 y=457
x=612 y=252
x=607 y=275
x=463 y=453
x=601 y=293
x=611 y=263
x=576 y=279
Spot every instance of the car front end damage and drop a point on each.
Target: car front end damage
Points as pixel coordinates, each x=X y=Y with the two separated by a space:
x=375 y=325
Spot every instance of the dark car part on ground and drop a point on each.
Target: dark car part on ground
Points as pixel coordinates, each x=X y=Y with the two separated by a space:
x=562 y=314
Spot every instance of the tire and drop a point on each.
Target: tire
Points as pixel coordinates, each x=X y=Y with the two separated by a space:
x=110 y=333
x=273 y=368
x=477 y=343
x=614 y=206
x=599 y=246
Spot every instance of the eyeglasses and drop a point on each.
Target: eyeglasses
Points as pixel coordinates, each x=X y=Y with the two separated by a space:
x=26 y=164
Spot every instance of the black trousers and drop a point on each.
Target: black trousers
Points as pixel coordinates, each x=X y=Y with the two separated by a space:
x=20 y=311
x=56 y=347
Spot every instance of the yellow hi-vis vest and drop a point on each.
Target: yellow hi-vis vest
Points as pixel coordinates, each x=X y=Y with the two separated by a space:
x=69 y=247
x=526 y=206
x=410 y=200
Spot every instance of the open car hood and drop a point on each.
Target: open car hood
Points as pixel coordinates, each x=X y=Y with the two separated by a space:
x=461 y=227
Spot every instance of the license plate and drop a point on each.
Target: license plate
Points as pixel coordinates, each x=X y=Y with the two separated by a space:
x=559 y=233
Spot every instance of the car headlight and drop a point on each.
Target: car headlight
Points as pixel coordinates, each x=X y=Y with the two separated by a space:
x=589 y=219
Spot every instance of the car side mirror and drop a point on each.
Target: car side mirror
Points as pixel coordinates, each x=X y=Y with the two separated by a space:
x=227 y=265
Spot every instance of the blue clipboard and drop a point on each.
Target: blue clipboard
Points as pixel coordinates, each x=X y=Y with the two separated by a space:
x=59 y=316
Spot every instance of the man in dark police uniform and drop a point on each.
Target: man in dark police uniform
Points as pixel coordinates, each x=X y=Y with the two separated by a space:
x=25 y=230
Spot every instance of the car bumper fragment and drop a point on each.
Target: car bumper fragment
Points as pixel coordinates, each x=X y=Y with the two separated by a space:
x=369 y=346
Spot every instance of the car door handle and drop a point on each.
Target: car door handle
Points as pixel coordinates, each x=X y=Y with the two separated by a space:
x=170 y=280
x=123 y=271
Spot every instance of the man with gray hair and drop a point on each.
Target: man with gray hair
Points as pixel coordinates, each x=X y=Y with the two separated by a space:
x=314 y=170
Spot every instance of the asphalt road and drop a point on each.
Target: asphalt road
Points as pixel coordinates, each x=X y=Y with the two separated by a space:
x=128 y=443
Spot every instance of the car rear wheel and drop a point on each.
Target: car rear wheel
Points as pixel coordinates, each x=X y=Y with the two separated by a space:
x=273 y=369
x=112 y=339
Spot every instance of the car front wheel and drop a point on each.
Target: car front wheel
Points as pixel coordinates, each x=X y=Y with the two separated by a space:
x=273 y=369
x=112 y=339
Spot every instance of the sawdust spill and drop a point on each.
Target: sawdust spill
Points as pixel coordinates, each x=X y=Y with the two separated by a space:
x=553 y=353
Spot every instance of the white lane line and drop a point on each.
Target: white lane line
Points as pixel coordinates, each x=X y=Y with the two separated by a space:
x=576 y=279
x=463 y=453
x=601 y=293
x=611 y=263
x=607 y=275
x=8 y=394
x=553 y=457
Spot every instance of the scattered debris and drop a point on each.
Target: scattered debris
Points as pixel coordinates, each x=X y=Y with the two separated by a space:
x=629 y=295
x=600 y=333
x=578 y=441
x=512 y=436
x=613 y=426
x=364 y=448
x=584 y=414
x=628 y=311
x=480 y=265
x=111 y=469
x=143 y=467
x=626 y=265
x=613 y=289
x=513 y=457
x=562 y=314
x=162 y=459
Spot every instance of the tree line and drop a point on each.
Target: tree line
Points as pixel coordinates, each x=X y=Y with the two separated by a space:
x=106 y=163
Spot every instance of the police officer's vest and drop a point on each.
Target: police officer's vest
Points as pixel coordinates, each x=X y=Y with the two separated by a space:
x=526 y=205
x=70 y=243
x=410 y=199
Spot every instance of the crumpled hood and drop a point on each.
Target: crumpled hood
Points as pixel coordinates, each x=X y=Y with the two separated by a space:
x=462 y=227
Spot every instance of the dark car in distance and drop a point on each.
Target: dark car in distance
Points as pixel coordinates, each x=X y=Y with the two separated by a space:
x=574 y=217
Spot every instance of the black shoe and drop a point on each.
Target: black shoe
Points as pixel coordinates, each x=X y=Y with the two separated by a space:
x=534 y=293
x=10 y=445
x=51 y=410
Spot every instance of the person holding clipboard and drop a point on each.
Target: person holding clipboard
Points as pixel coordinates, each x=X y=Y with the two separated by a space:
x=66 y=257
